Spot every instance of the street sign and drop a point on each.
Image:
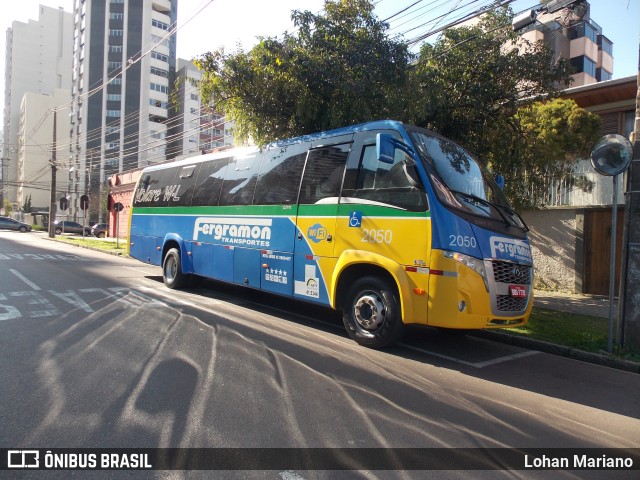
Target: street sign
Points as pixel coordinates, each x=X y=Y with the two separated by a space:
x=64 y=203
x=84 y=202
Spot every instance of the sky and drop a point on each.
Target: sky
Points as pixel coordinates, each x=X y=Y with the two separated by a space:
x=229 y=22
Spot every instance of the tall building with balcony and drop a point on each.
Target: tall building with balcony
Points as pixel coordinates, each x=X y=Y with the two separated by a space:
x=37 y=60
x=124 y=59
x=195 y=127
x=572 y=34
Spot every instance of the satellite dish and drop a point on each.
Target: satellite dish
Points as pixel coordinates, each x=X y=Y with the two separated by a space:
x=611 y=155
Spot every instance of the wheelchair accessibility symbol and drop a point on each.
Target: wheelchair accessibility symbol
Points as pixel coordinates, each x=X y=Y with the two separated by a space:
x=355 y=219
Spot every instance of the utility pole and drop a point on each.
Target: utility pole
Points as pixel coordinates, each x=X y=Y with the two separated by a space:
x=629 y=310
x=54 y=168
x=2 y=180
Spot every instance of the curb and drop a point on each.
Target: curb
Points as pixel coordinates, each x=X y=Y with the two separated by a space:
x=560 y=350
x=95 y=249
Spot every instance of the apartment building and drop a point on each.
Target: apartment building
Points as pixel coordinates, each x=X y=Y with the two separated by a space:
x=37 y=60
x=196 y=127
x=35 y=148
x=572 y=34
x=124 y=59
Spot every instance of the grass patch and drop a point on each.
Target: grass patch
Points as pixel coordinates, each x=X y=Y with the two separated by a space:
x=97 y=243
x=573 y=330
x=583 y=332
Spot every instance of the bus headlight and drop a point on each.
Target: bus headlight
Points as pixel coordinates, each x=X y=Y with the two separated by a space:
x=473 y=263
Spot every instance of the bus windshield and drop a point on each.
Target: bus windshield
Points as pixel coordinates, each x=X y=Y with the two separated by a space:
x=462 y=182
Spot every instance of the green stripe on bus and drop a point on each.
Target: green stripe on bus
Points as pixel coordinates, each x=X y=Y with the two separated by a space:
x=323 y=210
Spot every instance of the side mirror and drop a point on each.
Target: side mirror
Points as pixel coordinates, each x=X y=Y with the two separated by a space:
x=385 y=148
x=500 y=181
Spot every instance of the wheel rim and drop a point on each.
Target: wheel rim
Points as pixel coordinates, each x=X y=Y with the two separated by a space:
x=170 y=269
x=369 y=311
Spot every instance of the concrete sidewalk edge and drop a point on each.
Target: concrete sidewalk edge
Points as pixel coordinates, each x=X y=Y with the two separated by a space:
x=560 y=350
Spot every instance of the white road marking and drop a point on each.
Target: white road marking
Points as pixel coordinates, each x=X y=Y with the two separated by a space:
x=290 y=475
x=24 y=279
x=471 y=364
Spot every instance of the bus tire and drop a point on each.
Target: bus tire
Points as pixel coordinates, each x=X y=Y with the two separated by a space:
x=172 y=270
x=371 y=313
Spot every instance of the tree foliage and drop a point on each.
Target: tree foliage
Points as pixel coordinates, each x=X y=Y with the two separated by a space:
x=341 y=67
x=469 y=83
x=553 y=135
x=338 y=69
x=26 y=206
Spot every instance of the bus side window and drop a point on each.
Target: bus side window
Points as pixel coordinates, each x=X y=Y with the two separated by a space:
x=209 y=183
x=187 y=180
x=323 y=173
x=280 y=174
x=240 y=180
x=396 y=184
x=155 y=183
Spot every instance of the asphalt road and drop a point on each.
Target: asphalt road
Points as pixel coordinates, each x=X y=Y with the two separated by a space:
x=96 y=352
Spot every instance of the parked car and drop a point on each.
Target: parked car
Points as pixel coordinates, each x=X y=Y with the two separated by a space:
x=99 y=230
x=67 y=226
x=7 y=223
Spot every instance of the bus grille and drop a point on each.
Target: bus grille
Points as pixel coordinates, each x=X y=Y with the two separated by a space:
x=507 y=272
x=507 y=303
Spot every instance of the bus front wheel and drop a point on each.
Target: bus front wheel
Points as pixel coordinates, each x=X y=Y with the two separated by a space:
x=371 y=313
x=172 y=270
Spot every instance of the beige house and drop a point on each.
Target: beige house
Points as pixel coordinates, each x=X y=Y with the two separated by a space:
x=571 y=238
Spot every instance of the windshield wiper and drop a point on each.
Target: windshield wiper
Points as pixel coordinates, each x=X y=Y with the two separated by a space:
x=498 y=208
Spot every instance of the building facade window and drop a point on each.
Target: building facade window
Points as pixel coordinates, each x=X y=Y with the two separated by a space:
x=115 y=48
x=158 y=103
x=602 y=75
x=114 y=97
x=159 y=56
x=605 y=44
x=113 y=113
x=116 y=16
x=115 y=32
x=583 y=29
x=584 y=64
x=159 y=24
x=159 y=88
x=159 y=72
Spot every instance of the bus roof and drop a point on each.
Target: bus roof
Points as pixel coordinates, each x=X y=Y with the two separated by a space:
x=239 y=151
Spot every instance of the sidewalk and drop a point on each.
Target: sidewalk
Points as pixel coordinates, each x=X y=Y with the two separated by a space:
x=595 y=305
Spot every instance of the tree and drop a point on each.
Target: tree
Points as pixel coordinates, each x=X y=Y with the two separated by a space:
x=553 y=136
x=469 y=83
x=8 y=207
x=340 y=68
x=26 y=206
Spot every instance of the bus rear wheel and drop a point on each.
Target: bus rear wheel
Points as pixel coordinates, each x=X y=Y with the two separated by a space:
x=371 y=314
x=172 y=270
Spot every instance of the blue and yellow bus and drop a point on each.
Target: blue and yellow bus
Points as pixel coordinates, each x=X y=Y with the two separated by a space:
x=388 y=223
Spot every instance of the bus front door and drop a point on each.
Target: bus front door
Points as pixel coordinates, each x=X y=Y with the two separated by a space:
x=316 y=221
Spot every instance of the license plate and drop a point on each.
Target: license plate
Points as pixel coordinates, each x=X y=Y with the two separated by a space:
x=517 y=291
